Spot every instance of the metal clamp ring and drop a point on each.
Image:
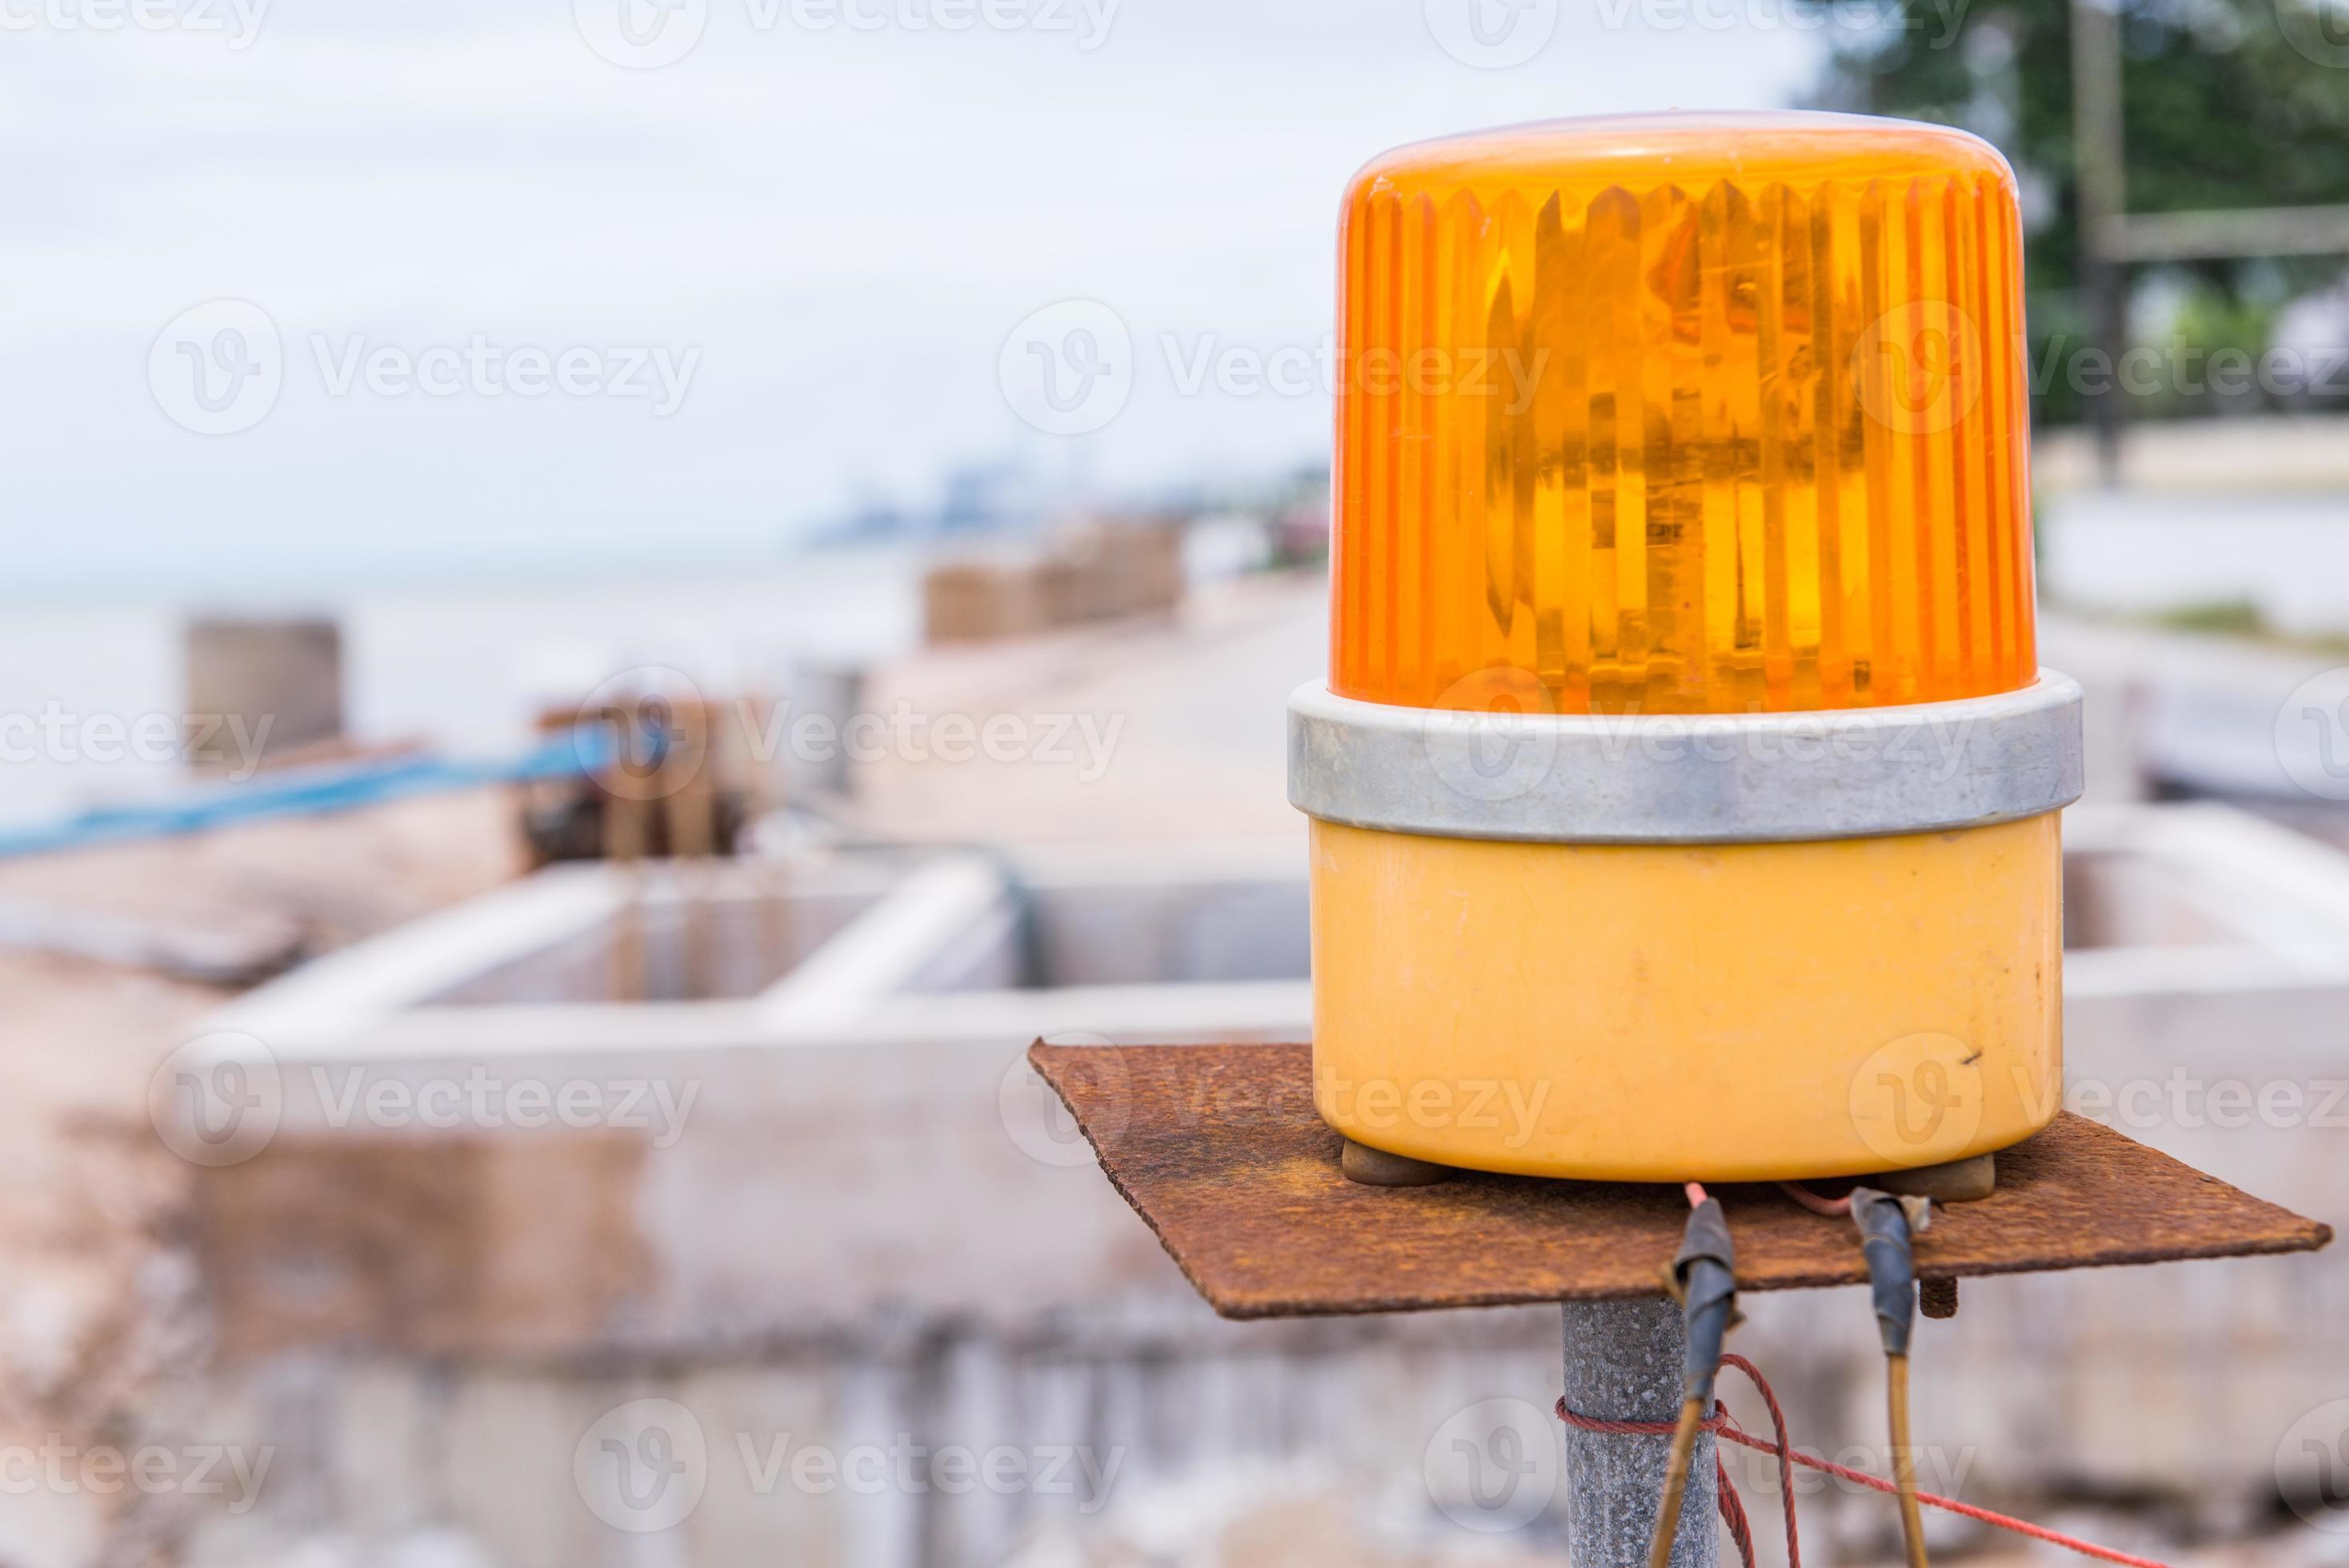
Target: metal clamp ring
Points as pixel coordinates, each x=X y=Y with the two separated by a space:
x=1686 y=779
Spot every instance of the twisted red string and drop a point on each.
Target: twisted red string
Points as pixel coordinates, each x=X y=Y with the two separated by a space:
x=1733 y=1512
x=1733 y=1508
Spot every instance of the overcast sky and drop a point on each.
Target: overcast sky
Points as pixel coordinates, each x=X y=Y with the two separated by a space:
x=792 y=256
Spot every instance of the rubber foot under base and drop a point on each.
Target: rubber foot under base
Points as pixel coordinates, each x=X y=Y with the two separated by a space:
x=1959 y=1182
x=1376 y=1167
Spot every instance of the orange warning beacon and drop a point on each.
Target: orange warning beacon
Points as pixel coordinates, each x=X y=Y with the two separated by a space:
x=1685 y=786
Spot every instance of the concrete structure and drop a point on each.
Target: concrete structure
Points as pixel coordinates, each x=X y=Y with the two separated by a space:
x=809 y=1195
x=2174 y=712
x=851 y=1027
x=260 y=687
x=1089 y=572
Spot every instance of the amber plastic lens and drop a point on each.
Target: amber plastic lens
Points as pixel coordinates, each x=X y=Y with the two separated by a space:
x=1684 y=414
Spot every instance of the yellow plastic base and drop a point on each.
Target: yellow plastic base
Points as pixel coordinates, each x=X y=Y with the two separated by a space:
x=1721 y=1012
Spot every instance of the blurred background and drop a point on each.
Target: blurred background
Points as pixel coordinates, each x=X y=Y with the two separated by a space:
x=611 y=605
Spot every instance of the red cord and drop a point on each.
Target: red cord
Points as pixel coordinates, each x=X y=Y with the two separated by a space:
x=1783 y=1448
x=1733 y=1508
x=1733 y=1512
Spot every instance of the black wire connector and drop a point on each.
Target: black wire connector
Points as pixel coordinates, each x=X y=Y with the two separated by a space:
x=1885 y=1224
x=1703 y=1279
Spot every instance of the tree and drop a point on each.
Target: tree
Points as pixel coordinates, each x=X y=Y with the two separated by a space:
x=2226 y=103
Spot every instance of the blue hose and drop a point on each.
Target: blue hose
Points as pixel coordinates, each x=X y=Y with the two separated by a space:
x=309 y=791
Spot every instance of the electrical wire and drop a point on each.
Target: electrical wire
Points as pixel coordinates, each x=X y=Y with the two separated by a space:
x=1904 y=1458
x=1704 y=1277
x=1782 y=1448
x=1886 y=1241
x=1833 y=1208
x=1676 y=1474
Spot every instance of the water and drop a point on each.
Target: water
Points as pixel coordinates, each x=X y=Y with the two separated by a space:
x=90 y=695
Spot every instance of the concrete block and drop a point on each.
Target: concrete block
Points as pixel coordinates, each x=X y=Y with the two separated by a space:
x=278 y=681
x=423 y=1245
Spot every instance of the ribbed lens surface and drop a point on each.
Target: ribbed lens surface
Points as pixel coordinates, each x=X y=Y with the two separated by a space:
x=1683 y=415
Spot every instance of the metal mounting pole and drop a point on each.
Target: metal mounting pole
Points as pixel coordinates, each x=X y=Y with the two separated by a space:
x=1623 y=1364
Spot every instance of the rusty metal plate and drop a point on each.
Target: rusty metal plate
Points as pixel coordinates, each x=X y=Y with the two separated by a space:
x=1219 y=1149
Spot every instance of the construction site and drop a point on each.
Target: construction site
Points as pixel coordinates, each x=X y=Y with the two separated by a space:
x=729 y=1108
x=1084 y=786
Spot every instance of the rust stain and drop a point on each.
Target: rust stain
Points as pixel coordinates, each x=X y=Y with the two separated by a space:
x=1247 y=1199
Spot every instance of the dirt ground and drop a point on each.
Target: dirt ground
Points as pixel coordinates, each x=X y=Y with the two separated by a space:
x=110 y=958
